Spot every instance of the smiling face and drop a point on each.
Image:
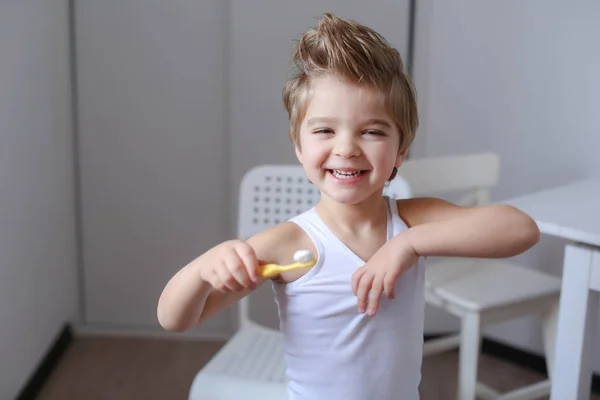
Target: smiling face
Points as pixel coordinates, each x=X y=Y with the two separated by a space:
x=348 y=145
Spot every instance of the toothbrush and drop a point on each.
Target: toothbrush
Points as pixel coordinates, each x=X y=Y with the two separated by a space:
x=302 y=258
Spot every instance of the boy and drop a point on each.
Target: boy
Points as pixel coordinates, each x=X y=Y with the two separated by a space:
x=353 y=324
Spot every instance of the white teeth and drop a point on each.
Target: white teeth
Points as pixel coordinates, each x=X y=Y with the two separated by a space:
x=346 y=174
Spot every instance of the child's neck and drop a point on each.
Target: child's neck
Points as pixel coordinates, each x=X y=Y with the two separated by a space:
x=353 y=218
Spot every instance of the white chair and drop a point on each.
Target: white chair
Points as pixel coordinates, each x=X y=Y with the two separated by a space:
x=480 y=291
x=251 y=364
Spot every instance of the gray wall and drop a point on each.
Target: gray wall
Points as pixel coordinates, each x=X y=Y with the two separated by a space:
x=521 y=79
x=154 y=163
x=37 y=244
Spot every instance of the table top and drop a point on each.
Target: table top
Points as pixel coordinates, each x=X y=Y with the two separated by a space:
x=571 y=211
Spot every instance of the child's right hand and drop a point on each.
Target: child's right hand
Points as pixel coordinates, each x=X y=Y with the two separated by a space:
x=232 y=266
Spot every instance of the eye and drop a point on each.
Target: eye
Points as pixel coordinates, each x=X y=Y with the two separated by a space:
x=323 y=131
x=374 y=132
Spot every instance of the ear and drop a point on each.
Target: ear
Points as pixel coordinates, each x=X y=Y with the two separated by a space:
x=400 y=158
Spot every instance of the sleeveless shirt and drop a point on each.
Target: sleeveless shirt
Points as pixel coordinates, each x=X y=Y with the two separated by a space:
x=332 y=351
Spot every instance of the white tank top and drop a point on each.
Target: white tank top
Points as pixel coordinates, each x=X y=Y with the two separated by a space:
x=332 y=351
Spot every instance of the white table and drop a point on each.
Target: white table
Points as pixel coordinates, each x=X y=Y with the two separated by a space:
x=572 y=212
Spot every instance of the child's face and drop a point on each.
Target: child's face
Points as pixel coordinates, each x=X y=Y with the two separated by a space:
x=348 y=143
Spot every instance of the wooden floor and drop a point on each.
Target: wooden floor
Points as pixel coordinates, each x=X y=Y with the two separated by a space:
x=111 y=368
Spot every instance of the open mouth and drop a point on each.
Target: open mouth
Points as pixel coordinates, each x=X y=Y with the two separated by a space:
x=346 y=174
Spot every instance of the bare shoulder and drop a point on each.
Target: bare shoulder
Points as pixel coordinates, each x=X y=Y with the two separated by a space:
x=422 y=210
x=279 y=243
x=273 y=245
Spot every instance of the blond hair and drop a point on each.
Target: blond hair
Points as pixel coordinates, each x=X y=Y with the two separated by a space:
x=356 y=53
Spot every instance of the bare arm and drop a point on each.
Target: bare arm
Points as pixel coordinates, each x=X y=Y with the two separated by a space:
x=440 y=228
x=189 y=299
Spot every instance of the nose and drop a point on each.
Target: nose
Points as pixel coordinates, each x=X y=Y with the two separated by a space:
x=346 y=145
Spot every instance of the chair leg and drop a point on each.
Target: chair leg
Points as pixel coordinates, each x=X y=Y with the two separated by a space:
x=441 y=345
x=549 y=327
x=470 y=343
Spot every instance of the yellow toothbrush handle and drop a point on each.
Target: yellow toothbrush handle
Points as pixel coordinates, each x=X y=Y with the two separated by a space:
x=271 y=270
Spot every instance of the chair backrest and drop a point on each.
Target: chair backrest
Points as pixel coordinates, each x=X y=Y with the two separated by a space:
x=271 y=194
x=472 y=175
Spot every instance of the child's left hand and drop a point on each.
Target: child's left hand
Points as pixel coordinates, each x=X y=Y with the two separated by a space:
x=378 y=276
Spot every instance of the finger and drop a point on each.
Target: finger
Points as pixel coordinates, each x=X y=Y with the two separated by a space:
x=223 y=277
x=237 y=269
x=230 y=262
x=389 y=285
x=364 y=286
x=356 y=276
x=375 y=295
x=248 y=257
x=216 y=282
x=239 y=275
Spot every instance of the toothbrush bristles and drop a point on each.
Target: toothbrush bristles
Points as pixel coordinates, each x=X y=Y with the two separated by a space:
x=303 y=256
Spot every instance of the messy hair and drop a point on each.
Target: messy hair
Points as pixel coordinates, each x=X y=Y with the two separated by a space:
x=357 y=54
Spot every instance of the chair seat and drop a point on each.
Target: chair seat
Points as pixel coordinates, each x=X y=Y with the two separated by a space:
x=479 y=284
x=209 y=386
x=251 y=362
x=253 y=352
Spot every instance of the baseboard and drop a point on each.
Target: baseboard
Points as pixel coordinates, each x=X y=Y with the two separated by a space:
x=51 y=358
x=519 y=357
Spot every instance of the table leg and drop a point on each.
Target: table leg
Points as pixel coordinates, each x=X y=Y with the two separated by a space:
x=577 y=320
